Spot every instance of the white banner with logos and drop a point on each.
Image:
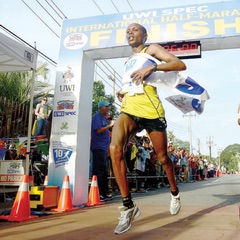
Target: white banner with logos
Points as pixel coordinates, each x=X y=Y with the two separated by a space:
x=12 y=171
x=71 y=124
x=191 y=96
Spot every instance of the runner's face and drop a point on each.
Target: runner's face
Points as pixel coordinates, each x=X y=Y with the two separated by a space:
x=134 y=35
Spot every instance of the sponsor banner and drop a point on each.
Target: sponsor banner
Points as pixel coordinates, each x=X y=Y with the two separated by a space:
x=206 y=20
x=12 y=171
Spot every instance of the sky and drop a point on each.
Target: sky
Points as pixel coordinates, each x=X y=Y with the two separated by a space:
x=218 y=71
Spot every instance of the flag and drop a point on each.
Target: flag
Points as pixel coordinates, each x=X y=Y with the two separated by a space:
x=186 y=104
x=173 y=81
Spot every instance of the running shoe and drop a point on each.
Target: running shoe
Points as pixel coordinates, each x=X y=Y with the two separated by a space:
x=106 y=198
x=126 y=218
x=175 y=204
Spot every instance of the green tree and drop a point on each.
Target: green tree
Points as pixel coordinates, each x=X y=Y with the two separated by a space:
x=230 y=157
x=99 y=94
x=177 y=142
x=171 y=136
x=16 y=88
x=17 y=85
x=41 y=85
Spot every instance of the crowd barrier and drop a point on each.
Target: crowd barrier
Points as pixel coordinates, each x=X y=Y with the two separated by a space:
x=137 y=178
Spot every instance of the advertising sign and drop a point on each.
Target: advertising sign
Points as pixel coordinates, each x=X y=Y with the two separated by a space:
x=85 y=40
x=12 y=171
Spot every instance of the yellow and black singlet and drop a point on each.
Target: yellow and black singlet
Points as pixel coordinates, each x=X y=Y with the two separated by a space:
x=145 y=105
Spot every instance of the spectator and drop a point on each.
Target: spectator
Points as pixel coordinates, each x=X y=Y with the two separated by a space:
x=100 y=140
x=42 y=114
x=211 y=170
x=133 y=156
x=176 y=159
x=201 y=168
x=48 y=127
x=151 y=169
x=195 y=168
x=138 y=112
x=191 y=166
x=143 y=157
x=184 y=164
x=205 y=168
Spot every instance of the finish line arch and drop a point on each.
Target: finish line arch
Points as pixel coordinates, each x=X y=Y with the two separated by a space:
x=84 y=40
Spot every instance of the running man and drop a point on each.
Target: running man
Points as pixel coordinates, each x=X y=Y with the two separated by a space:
x=138 y=112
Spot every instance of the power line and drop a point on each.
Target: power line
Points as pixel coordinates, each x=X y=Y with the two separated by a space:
x=115 y=6
x=104 y=72
x=177 y=125
x=98 y=7
x=17 y=37
x=172 y=128
x=48 y=13
x=53 y=9
x=58 y=9
x=119 y=76
x=103 y=78
x=110 y=72
x=40 y=19
x=130 y=6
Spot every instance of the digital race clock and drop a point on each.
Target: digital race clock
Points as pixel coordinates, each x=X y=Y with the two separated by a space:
x=184 y=49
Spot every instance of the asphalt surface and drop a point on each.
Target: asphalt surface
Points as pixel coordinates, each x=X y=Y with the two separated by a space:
x=210 y=211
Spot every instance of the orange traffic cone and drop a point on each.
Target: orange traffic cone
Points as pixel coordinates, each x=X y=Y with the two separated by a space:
x=94 y=196
x=45 y=181
x=31 y=181
x=21 y=206
x=65 y=199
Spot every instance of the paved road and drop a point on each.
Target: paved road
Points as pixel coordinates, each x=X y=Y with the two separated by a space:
x=210 y=211
x=224 y=190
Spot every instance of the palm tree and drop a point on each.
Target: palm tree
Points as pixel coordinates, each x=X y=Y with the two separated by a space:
x=15 y=97
x=16 y=85
x=42 y=86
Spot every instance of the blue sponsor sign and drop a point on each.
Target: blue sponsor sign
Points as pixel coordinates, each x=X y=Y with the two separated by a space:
x=61 y=155
x=64 y=113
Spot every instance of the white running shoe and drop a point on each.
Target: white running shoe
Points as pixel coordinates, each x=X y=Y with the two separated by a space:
x=126 y=218
x=175 y=204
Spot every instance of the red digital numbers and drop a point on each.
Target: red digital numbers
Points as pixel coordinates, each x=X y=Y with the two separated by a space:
x=184 y=49
x=189 y=46
x=171 y=48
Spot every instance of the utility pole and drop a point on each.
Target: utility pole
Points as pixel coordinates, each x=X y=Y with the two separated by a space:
x=219 y=158
x=198 y=144
x=190 y=130
x=210 y=145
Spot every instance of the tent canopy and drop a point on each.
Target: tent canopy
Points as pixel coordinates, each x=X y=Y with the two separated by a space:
x=15 y=56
